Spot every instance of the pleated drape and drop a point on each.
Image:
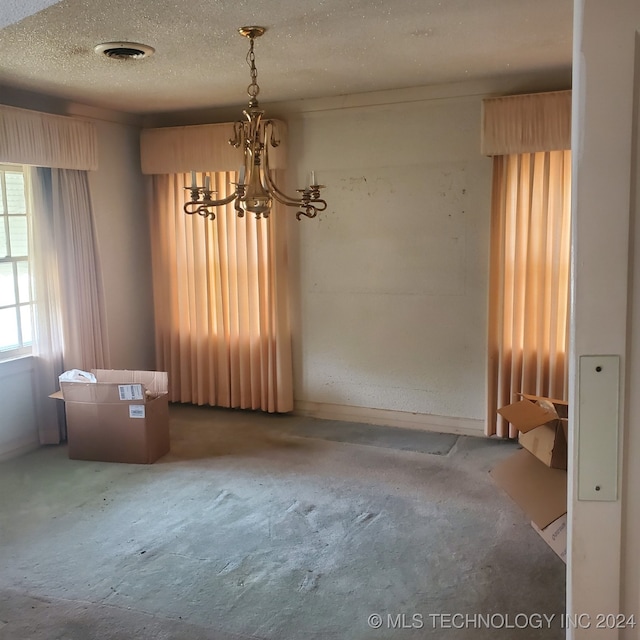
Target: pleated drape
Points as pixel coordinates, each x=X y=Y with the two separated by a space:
x=69 y=317
x=220 y=295
x=85 y=336
x=529 y=280
x=48 y=341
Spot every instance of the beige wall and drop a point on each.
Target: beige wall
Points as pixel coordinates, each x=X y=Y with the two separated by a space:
x=390 y=307
x=122 y=229
x=604 y=549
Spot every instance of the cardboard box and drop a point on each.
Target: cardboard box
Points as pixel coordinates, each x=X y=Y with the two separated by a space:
x=541 y=492
x=555 y=535
x=123 y=417
x=543 y=426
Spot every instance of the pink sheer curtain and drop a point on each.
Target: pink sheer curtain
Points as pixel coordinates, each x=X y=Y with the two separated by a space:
x=529 y=280
x=221 y=301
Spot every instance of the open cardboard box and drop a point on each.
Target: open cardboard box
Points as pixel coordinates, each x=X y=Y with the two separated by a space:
x=123 y=417
x=543 y=426
x=535 y=477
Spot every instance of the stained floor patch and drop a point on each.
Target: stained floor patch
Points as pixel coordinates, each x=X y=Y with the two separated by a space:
x=437 y=444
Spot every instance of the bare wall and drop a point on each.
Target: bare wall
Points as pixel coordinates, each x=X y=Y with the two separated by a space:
x=122 y=229
x=391 y=281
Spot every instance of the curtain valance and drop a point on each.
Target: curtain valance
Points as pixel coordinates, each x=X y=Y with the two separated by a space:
x=199 y=148
x=526 y=123
x=47 y=140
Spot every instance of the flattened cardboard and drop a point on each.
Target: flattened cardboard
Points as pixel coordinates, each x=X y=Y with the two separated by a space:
x=555 y=535
x=541 y=492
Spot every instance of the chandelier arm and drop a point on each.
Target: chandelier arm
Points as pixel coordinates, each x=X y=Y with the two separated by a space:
x=316 y=205
x=223 y=201
x=207 y=202
x=238 y=135
x=288 y=202
x=310 y=202
x=319 y=205
x=201 y=210
x=280 y=196
x=309 y=212
x=311 y=208
x=270 y=132
x=203 y=207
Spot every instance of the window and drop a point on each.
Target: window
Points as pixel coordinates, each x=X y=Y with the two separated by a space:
x=16 y=299
x=529 y=280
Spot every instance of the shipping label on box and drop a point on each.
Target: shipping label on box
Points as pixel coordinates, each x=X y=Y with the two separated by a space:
x=136 y=411
x=130 y=392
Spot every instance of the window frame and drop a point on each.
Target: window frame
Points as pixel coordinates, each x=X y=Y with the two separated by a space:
x=23 y=348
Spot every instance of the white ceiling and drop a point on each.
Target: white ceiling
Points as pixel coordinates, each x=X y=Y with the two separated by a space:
x=311 y=49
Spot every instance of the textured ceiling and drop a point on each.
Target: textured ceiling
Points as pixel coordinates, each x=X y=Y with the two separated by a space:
x=311 y=49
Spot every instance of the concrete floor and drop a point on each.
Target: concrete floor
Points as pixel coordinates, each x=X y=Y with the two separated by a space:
x=261 y=526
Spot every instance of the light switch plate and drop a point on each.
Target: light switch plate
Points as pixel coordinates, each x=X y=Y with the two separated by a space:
x=598 y=427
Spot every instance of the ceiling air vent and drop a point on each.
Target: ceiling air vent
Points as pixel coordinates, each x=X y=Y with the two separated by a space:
x=124 y=50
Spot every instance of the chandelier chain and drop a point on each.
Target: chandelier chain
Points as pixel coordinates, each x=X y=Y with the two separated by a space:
x=253 y=89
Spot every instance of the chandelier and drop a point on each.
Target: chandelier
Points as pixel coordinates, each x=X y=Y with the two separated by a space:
x=255 y=190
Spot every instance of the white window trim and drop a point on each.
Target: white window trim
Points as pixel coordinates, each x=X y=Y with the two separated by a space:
x=22 y=350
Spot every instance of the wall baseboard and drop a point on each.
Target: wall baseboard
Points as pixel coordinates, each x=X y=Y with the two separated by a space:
x=16 y=448
x=389 y=418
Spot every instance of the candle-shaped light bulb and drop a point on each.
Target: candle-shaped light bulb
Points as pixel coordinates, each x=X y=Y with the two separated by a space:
x=207 y=183
x=241 y=177
x=193 y=180
x=313 y=178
